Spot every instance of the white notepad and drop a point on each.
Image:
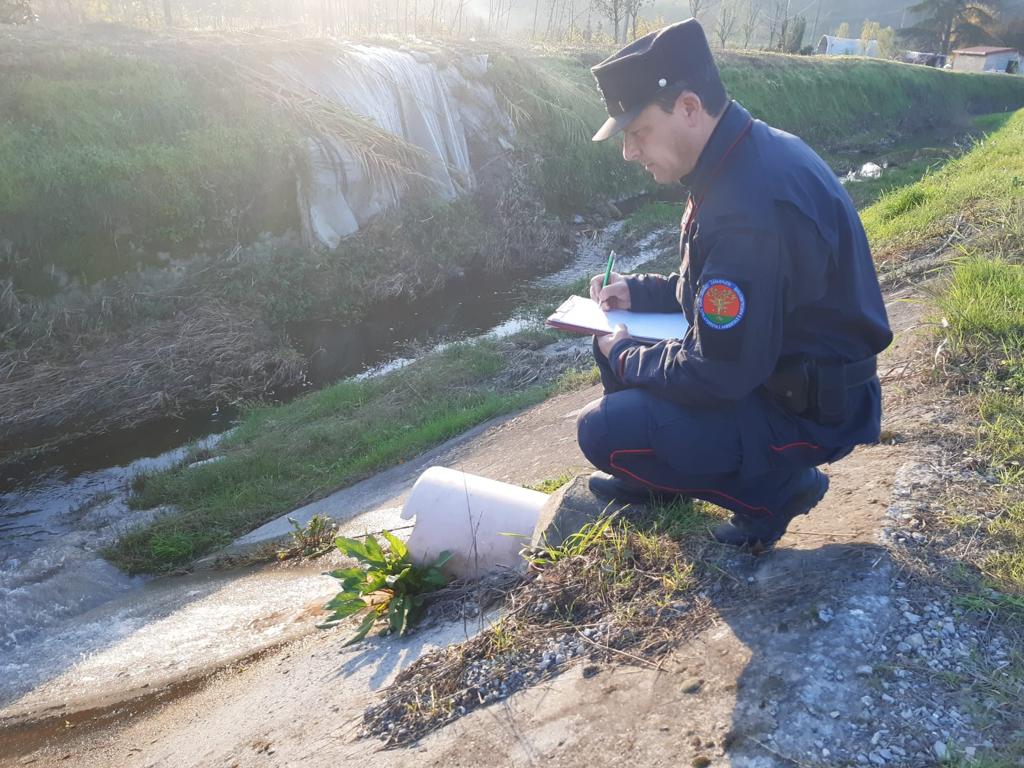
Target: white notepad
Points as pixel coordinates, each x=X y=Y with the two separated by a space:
x=581 y=315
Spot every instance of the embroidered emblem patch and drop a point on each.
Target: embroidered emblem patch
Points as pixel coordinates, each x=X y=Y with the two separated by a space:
x=721 y=304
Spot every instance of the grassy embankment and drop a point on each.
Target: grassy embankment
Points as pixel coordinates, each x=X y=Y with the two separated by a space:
x=982 y=309
x=282 y=457
x=180 y=146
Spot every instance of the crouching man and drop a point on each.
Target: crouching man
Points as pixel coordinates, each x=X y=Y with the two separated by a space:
x=776 y=374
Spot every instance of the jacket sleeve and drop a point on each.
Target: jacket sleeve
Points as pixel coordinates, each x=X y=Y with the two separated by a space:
x=738 y=314
x=653 y=293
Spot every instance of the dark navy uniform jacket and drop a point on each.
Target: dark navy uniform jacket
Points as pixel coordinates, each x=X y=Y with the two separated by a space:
x=775 y=264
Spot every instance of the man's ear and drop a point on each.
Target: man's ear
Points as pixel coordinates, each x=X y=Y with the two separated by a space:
x=689 y=105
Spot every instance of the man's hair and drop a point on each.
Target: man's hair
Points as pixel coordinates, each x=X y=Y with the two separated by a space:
x=712 y=95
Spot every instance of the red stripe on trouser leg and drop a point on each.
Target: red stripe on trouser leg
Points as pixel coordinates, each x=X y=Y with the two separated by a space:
x=788 y=446
x=684 y=491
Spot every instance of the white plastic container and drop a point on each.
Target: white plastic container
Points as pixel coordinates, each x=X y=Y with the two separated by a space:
x=483 y=523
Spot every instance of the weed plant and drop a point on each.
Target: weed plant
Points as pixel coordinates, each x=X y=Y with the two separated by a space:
x=386 y=585
x=310 y=540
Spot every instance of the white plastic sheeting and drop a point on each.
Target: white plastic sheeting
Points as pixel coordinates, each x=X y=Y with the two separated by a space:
x=846 y=46
x=432 y=101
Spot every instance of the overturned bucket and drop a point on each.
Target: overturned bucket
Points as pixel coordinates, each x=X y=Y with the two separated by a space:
x=482 y=522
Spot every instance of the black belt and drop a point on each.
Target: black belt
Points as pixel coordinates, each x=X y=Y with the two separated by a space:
x=816 y=389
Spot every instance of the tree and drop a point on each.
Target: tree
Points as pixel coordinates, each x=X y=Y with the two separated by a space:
x=614 y=11
x=16 y=12
x=884 y=36
x=696 y=6
x=632 y=8
x=947 y=24
x=793 y=39
x=728 y=17
x=843 y=30
x=751 y=16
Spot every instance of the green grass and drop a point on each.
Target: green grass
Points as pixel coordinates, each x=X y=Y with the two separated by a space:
x=104 y=151
x=982 y=309
x=282 y=456
x=993 y=122
x=552 y=484
x=975 y=186
x=651 y=216
x=869 y=191
x=556 y=108
x=837 y=102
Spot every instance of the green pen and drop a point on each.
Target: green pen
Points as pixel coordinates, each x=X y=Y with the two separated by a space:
x=608 y=271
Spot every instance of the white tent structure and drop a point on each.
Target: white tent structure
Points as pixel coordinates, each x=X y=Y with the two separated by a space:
x=830 y=45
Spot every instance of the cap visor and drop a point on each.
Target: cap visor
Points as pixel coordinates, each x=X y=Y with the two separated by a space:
x=617 y=124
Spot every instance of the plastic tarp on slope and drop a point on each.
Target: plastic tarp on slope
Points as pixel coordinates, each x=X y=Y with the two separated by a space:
x=430 y=102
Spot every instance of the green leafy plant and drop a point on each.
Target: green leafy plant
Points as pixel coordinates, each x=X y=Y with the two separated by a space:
x=387 y=585
x=311 y=540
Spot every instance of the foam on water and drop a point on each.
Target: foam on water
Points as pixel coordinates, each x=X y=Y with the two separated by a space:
x=50 y=568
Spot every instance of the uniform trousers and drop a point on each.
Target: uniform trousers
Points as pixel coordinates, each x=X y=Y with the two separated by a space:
x=748 y=456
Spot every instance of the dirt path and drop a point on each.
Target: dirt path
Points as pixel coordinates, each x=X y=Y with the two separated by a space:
x=822 y=665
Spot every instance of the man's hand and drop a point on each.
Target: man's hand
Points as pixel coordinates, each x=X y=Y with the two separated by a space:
x=615 y=295
x=606 y=342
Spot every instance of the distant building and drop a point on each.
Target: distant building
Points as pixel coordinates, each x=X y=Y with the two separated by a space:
x=986 y=58
x=846 y=46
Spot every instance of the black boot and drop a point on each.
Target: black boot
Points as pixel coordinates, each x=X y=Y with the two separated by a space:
x=763 y=532
x=625 y=492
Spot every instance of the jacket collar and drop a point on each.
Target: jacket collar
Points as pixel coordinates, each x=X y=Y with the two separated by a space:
x=733 y=123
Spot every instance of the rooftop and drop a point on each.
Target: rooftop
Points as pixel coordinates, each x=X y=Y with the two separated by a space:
x=984 y=50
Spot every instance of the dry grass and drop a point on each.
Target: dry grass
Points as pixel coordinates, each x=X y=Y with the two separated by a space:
x=627 y=588
x=210 y=354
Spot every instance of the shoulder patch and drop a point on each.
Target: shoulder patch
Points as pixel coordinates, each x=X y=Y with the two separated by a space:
x=722 y=304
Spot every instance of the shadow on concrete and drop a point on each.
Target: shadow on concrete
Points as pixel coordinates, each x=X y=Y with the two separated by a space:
x=809 y=624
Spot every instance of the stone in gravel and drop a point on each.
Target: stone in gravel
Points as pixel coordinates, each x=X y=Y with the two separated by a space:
x=865 y=670
x=940 y=750
x=903 y=648
x=915 y=640
x=692 y=684
x=876 y=758
x=834 y=714
x=913 y=618
x=566 y=511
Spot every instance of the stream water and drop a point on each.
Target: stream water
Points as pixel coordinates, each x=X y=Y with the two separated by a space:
x=57 y=514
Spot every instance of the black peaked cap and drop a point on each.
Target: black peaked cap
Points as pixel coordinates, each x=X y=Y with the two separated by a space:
x=631 y=78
